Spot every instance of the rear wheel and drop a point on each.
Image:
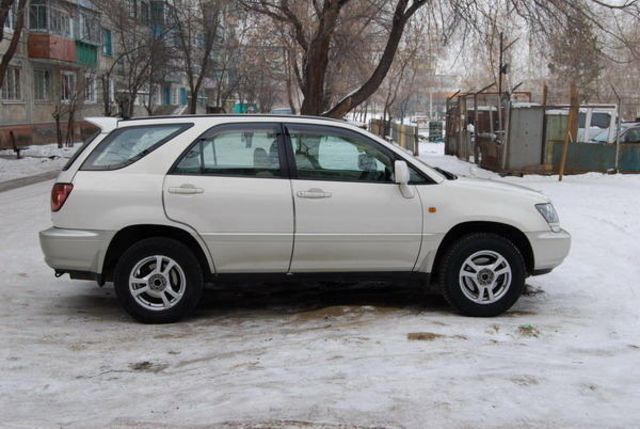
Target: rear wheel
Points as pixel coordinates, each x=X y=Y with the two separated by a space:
x=482 y=275
x=158 y=280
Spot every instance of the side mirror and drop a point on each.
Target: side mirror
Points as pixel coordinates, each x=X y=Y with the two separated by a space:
x=402 y=176
x=401 y=172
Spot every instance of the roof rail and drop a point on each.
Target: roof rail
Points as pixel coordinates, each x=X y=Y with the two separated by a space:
x=231 y=115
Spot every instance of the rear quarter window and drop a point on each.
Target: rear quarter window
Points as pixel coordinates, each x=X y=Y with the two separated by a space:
x=124 y=146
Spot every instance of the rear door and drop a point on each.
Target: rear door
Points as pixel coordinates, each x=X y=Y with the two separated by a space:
x=233 y=188
x=350 y=215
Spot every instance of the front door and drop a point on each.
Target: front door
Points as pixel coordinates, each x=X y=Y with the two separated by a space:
x=232 y=187
x=350 y=215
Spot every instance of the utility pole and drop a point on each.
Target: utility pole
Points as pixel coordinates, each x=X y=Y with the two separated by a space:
x=500 y=66
x=572 y=127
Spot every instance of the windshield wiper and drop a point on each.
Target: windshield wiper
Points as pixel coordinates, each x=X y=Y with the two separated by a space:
x=448 y=175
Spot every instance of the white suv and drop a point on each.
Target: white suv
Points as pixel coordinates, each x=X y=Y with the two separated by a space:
x=161 y=205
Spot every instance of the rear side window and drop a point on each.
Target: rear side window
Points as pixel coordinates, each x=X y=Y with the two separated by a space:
x=85 y=144
x=125 y=146
x=249 y=152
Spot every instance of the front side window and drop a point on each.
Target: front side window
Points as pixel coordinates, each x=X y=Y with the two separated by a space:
x=632 y=136
x=42 y=84
x=11 y=87
x=126 y=145
x=322 y=153
x=252 y=151
x=600 y=120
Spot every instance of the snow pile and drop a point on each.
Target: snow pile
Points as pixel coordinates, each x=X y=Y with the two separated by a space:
x=328 y=356
x=35 y=160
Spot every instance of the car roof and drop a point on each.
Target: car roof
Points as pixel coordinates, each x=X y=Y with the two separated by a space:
x=244 y=117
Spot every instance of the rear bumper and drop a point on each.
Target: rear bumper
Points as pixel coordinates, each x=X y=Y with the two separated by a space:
x=74 y=250
x=549 y=249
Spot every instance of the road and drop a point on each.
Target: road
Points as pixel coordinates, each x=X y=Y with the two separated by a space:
x=331 y=355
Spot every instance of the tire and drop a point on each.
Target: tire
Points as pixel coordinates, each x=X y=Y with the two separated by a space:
x=171 y=293
x=475 y=281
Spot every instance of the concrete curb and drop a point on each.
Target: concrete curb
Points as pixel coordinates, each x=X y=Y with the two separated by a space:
x=29 y=180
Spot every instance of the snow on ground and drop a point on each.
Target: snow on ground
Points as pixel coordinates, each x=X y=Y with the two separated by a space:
x=322 y=355
x=35 y=160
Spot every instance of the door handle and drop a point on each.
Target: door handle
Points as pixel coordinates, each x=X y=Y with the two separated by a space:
x=185 y=189
x=313 y=193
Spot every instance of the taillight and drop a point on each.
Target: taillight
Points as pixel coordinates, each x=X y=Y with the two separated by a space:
x=59 y=195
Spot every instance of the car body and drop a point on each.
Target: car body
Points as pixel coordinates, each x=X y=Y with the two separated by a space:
x=290 y=196
x=629 y=133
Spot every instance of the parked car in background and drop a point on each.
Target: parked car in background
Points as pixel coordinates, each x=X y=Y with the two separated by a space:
x=161 y=205
x=282 y=111
x=629 y=133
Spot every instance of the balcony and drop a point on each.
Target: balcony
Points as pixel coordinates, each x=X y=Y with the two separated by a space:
x=51 y=47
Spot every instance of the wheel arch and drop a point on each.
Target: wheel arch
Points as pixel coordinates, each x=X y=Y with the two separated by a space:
x=129 y=235
x=510 y=232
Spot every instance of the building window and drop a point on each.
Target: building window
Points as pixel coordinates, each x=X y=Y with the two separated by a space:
x=132 y=6
x=90 y=88
x=157 y=13
x=38 y=15
x=112 y=91
x=9 y=22
x=43 y=17
x=144 y=12
x=88 y=28
x=60 y=23
x=68 y=86
x=11 y=88
x=42 y=84
x=107 y=47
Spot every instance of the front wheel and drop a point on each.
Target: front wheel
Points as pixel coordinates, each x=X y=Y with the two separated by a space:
x=482 y=275
x=158 y=280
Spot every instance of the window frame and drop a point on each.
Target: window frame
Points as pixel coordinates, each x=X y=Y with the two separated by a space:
x=90 y=88
x=107 y=43
x=183 y=126
x=12 y=77
x=9 y=24
x=282 y=173
x=338 y=131
x=67 y=96
x=45 y=74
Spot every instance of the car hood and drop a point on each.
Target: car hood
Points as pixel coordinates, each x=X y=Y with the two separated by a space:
x=500 y=187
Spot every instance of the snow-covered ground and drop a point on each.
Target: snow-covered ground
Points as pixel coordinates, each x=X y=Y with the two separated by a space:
x=35 y=159
x=338 y=355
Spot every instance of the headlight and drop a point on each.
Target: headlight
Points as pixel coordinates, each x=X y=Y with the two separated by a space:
x=549 y=213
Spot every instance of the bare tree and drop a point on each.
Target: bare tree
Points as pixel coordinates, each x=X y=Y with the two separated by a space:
x=196 y=24
x=313 y=26
x=68 y=102
x=137 y=47
x=7 y=9
x=577 y=55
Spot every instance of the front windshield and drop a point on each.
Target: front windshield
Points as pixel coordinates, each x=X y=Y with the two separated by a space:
x=602 y=136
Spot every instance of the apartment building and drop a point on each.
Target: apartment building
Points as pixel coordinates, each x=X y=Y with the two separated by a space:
x=66 y=63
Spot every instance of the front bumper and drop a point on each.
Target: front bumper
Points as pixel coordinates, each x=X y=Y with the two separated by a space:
x=549 y=249
x=75 y=250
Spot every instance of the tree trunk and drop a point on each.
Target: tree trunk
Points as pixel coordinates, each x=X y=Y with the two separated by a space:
x=17 y=32
x=316 y=61
x=356 y=98
x=56 y=117
x=193 y=103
